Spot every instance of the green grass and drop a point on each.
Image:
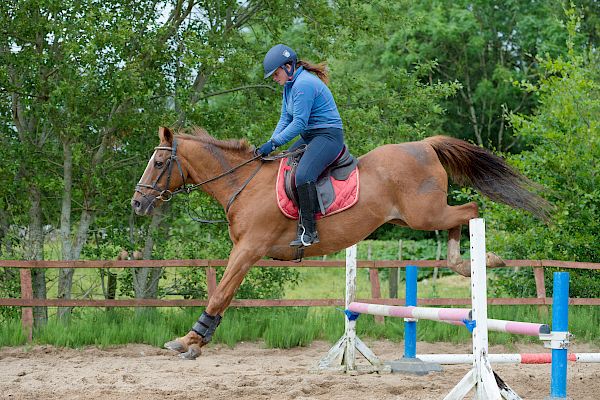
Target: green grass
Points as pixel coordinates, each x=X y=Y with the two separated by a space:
x=276 y=327
x=286 y=327
x=322 y=283
x=11 y=333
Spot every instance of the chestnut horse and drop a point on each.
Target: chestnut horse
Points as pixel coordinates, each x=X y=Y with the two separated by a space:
x=404 y=184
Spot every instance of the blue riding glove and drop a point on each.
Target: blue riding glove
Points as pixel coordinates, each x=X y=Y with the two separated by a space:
x=266 y=148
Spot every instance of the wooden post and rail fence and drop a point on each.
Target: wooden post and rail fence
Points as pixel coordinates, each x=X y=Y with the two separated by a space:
x=27 y=301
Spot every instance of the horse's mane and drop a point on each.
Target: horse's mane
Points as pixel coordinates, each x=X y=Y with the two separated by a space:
x=201 y=135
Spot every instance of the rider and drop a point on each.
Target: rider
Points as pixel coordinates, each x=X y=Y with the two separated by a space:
x=308 y=110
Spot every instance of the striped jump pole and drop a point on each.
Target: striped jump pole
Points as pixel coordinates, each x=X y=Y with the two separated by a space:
x=430 y=313
x=514 y=327
x=521 y=328
x=455 y=316
x=523 y=358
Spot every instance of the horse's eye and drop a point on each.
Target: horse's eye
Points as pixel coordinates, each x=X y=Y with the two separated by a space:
x=158 y=164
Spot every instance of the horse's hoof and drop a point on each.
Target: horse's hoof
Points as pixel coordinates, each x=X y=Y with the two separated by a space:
x=192 y=353
x=493 y=261
x=464 y=268
x=176 y=345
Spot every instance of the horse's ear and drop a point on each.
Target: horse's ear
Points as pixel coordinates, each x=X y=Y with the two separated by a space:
x=165 y=135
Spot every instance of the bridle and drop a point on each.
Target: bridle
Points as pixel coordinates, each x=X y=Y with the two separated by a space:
x=166 y=195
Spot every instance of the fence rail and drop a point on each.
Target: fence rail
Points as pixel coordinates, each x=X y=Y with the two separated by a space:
x=27 y=301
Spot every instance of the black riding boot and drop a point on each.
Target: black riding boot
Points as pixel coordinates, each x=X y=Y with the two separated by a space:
x=307 y=228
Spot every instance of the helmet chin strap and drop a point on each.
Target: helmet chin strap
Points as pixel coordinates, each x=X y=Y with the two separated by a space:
x=289 y=72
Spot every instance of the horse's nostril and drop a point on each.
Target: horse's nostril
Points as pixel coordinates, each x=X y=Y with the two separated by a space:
x=136 y=204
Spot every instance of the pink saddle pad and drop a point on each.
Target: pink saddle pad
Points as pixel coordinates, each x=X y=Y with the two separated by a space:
x=345 y=192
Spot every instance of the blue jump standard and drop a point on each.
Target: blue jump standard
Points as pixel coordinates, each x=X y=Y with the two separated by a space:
x=410 y=364
x=410 y=327
x=560 y=323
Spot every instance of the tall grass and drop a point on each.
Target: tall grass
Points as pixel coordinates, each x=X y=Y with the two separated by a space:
x=276 y=327
x=11 y=333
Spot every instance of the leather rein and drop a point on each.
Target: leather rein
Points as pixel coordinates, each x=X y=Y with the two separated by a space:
x=166 y=195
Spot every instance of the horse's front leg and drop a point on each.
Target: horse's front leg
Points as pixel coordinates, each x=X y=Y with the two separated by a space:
x=241 y=259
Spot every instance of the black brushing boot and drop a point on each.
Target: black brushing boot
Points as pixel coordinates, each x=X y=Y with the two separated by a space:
x=307 y=228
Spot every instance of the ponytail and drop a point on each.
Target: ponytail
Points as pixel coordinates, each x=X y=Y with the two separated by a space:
x=320 y=69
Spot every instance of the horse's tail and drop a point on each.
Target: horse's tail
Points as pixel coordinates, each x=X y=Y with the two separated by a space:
x=474 y=166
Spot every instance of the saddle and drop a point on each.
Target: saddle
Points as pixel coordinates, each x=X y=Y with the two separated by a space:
x=337 y=186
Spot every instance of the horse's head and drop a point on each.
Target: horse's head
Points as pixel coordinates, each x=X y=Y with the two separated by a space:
x=162 y=177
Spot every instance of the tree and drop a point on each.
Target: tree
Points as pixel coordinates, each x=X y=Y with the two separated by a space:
x=74 y=74
x=485 y=46
x=565 y=135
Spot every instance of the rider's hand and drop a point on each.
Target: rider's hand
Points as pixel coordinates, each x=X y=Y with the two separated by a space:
x=266 y=148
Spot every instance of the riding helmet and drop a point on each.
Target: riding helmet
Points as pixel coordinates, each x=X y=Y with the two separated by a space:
x=278 y=56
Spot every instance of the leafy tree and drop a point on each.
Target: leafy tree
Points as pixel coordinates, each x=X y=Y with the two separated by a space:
x=565 y=135
x=85 y=85
x=484 y=46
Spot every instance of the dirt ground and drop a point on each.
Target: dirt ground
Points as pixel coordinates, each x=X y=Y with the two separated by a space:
x=250 y=371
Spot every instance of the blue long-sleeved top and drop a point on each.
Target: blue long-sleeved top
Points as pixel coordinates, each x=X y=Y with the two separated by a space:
x=307 y=104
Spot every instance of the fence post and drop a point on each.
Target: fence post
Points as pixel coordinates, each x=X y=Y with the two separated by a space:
x=375 y=284
x=211 y=280
x=375 y=290
x=26 y=294
x=394 y=275
x=540 y=290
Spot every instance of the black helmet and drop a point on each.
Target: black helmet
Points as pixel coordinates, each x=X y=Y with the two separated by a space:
x=278 y=56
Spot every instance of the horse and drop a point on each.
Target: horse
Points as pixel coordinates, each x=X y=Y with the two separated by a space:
x=404 y=184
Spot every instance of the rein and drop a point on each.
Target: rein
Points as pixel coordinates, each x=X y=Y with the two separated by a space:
x=166 y=195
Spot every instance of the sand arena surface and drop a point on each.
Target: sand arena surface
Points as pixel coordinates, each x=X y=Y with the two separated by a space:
x=251 y=371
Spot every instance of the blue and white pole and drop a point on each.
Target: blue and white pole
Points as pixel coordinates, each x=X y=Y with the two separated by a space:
x=560 y=324
x=410 y=326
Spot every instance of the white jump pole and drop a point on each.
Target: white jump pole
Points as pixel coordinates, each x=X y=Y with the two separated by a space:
x=350 y=325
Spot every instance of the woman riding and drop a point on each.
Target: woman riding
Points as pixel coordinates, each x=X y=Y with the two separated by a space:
x=309 y=110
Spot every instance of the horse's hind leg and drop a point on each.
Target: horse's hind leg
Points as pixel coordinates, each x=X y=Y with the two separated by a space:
x=455 y=261
x=451 y=218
